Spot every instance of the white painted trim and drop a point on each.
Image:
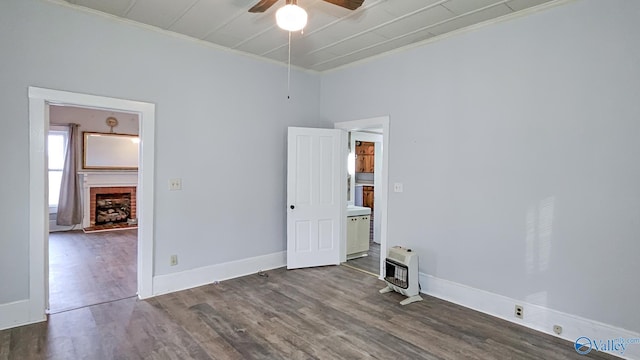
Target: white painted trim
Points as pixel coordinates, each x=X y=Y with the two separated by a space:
x=14 y=314
x=39 y=100
x=38 y=212
x=536 y=317
x=343 y=195
x=374 y=123
x=163 y=284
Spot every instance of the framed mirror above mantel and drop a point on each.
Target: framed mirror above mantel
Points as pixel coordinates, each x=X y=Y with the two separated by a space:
x=110 y=151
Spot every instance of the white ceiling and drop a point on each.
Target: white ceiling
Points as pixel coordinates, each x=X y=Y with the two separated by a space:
x=333 y=37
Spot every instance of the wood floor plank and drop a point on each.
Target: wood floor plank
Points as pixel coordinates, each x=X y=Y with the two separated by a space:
x=87 y=269
x=318 y=313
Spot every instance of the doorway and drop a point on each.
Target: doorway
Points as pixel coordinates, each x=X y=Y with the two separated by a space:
x=39 y=105
x=374 y=130
x=93 y=261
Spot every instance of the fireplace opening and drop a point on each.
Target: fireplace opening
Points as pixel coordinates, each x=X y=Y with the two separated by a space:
x=112 y=208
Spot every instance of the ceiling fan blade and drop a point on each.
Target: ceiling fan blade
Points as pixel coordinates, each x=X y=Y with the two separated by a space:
x=348 y=4
x=262 y=6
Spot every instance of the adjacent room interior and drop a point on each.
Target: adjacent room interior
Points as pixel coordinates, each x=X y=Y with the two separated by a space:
x=93 y=155
x=499 y=183
x=364 y=226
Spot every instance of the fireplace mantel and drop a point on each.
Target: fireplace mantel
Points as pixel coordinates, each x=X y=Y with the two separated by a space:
x=109 y=178
x=92 y=179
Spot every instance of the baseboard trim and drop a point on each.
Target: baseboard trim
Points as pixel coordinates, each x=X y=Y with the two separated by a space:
x=17 y=313
x=188 y=279
x=535 y=316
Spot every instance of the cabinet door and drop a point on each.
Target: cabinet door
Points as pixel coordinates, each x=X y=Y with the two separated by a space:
x=367 y=196
x=364 y=231
x=368 y=163
x=352 y=234
x=365 y=163
x=369 y=148
x=361 y=163
x=358 y=230
x=366 y=148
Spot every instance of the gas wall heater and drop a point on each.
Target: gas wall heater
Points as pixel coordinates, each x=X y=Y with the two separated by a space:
x=401 y=274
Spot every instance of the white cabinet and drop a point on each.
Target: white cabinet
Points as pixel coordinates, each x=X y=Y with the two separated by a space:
x=357 y=235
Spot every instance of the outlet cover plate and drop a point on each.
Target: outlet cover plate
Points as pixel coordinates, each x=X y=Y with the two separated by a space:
x=175 y=184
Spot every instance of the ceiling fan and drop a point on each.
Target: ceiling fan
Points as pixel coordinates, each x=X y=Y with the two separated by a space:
x=263 y=5
x=291 y=17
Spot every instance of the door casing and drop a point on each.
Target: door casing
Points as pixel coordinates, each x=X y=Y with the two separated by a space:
x=39 y=100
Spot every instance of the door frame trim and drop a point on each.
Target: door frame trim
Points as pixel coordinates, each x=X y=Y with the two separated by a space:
x=39 y=100
x=364 y=124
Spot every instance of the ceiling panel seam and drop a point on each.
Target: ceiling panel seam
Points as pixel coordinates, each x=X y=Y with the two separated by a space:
x=353 y=13
x=411 y=33
x=186 y=10
x=378 y=26
x=235 y=16
x=253 y=37
x=131 y=5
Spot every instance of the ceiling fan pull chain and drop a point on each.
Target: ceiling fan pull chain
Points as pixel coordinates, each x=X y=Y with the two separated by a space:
x=289 y=70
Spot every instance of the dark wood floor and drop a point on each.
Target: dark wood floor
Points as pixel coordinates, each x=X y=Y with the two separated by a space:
x=318 y=313
x=88 y=269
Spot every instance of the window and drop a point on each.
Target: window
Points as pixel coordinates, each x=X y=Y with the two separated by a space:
x=56 y=150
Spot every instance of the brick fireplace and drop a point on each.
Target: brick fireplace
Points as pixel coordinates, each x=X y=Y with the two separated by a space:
x=108 y=193
x=103 y=183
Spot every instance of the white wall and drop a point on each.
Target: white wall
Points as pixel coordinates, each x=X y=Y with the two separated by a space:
x=220 y=119
x=518 y=147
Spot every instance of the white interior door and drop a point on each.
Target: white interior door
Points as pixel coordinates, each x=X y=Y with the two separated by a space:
x=316 y=197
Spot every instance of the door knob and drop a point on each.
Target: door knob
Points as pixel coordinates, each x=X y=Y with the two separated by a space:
x=292 y=207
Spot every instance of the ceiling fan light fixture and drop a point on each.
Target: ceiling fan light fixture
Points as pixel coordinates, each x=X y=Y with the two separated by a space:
x=291 y=17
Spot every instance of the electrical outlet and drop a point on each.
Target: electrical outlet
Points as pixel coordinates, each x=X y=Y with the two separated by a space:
x=175 y=184
x=519 y=312
x=557 y=329
x=174 y=260
x=397 y=187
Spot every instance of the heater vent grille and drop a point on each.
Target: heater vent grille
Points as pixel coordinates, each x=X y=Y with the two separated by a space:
x=396 y=274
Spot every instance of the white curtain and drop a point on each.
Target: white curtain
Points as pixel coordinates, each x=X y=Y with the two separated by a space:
x=69 y=204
